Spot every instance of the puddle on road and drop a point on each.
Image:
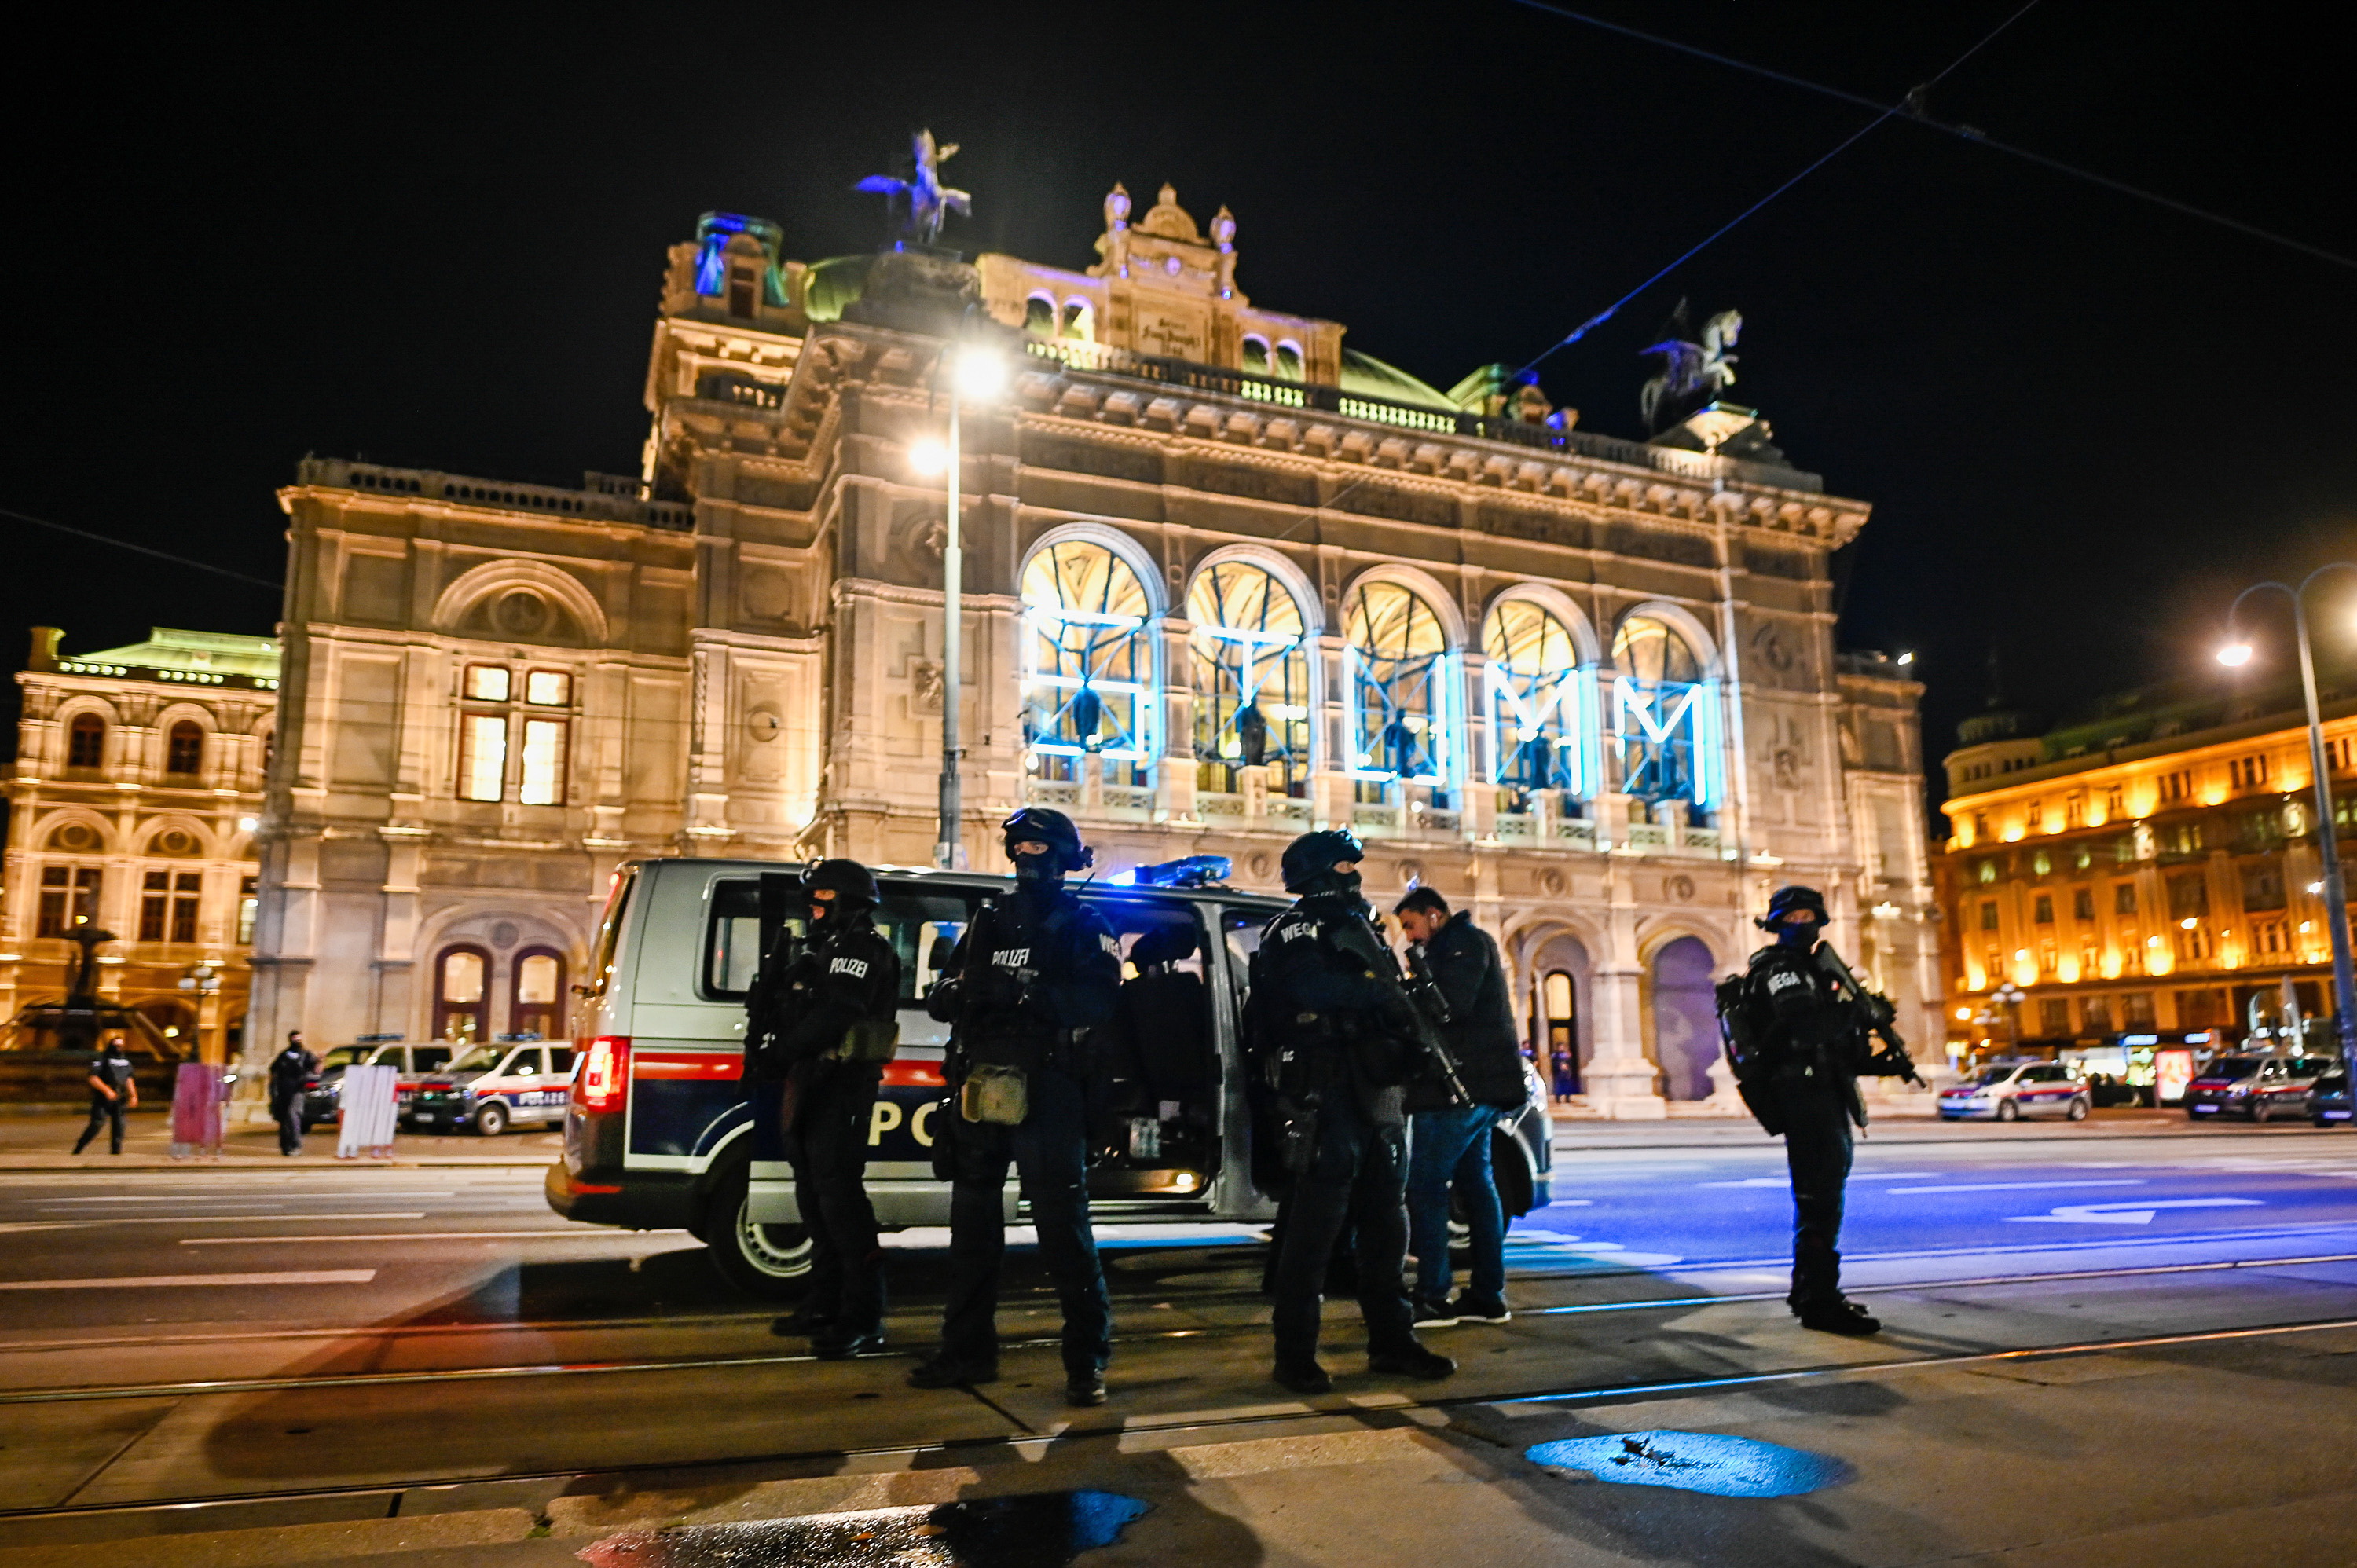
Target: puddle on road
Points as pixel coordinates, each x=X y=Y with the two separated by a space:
x=1043 y=1530
x=1694 y=1462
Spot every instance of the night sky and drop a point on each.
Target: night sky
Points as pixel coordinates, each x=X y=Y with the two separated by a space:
x=2083 y=421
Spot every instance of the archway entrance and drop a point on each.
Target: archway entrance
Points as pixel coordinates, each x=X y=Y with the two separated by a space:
x=1685 y=1018
x=1557 y=978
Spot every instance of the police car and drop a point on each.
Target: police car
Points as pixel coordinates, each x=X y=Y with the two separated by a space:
x=2257 y=1089
x=489 y=1088
x=323 y=1092
x=2007 y=1092
x=658 y=1134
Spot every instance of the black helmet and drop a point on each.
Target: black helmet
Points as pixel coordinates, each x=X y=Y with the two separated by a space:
x=1039 y=825
x=1785 y=900
x=1309 y=859
x=850 y=882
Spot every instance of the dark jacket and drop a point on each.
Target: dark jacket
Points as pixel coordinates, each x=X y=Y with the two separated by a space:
x=1326 y=990
x=1480 y=1029
x=1803 y=1020
x=289 y=1070
x=800 y=1012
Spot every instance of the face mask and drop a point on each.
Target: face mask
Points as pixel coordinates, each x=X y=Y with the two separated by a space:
x=1801 y=935
x=1038 y=871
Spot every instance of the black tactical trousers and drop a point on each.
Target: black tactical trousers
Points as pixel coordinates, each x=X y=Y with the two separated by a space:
x=1357 y=1177
x=1817 y=1151
x=827 y=1147
x=1049 y=1153
x=103 y=1112
x=288 y=1114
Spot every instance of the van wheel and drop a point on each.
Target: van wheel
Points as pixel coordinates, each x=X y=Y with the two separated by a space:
x=491 y=1117
x=2078 y=1111
x=2007 y=1110
x=766 y=1260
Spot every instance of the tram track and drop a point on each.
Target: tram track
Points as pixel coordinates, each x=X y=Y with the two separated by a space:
x=1031 y=1442
x=216 y=1387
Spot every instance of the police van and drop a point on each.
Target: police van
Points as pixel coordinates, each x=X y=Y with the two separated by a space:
x=658 y=1131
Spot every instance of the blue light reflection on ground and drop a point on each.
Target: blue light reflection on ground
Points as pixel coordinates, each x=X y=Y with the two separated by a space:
x=1694 y=1462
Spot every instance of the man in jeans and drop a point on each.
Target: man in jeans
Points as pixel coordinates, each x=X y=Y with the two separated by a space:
x=1448 y=1145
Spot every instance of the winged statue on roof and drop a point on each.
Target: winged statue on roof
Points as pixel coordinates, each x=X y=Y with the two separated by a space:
x=926 y=197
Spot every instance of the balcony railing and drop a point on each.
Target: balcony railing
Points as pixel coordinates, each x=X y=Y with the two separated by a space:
x=598 y=505
x=1310 y=396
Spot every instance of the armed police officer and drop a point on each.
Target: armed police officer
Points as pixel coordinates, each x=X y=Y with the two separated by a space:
x=1034 y=974
x=1797 y=1027
x=1335 y=1041
x=821 y=1022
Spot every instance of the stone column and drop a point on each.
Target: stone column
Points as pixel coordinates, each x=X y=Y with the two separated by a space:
x=1620 y=1080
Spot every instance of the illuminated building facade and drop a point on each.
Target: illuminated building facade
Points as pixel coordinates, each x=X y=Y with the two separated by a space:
x=138 y=784
x=2153 y=869
x=1225 y=580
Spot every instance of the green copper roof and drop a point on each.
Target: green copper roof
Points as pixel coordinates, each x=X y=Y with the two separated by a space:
x=1370 y=377
x=197 y=652
x=831 y=283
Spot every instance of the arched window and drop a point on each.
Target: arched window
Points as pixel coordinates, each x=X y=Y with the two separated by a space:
x=1559 y=1033
x=1397 y=677
x=538 y=1004
x=86 y=741
x=1665 y=715
x=1255 y=355
x=1088 y=663
x=184 y=747
x=1251 y=679
x=1288 y=361
x=1040 y=316
x=461 y=987
x=1541 y=702
x=1079 y=321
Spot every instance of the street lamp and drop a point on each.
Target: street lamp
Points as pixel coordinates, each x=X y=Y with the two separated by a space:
x=972 y=373
x=2010 y=998
x=2236 y=653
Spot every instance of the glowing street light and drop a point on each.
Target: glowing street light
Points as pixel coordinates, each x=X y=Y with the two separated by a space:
x=2237 y=652
x=977 y=373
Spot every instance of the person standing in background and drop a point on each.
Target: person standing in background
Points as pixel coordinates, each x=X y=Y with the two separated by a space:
x=113 y=1091
x=290 y=1074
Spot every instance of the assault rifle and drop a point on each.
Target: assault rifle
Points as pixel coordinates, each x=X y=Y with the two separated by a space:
x=1424 y=994
x=1878 y=1012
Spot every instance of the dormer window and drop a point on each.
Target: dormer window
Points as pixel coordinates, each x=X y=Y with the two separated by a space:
x=742 y=285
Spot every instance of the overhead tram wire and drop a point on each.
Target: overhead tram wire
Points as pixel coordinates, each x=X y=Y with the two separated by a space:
x=1885 y=112
x=1912 y=109
x=141 y=549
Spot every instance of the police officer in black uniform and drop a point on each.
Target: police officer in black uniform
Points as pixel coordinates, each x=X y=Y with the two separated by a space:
x=1035 y=973
x=820 y=1025
x=1808 y=1040
x=1332 y=1027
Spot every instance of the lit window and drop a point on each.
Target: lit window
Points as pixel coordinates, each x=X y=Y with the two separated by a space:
x=544 y=763
x=1040 y=316
x=1401 y=729
x=1088 y=663
x=482 y=755
x=487 y=683
x=1288 y=361
x=247 y=903
x=1666 y=716
x=458 y=995
x=1079 y=321
x=1251 y=679
x=548 y=688
x=1540 y=702
x=1256 y=356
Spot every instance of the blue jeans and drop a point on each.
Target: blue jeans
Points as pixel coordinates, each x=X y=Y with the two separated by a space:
x=1451 y=1149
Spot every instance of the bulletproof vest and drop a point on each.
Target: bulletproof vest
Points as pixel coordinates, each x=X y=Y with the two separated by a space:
x=1017 y=939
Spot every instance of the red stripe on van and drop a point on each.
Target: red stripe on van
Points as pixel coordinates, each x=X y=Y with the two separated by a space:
x=702 y=1065
x=914 y=1075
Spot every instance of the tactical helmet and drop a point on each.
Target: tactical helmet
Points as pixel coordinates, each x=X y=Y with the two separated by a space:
x=1041 y=824
x=1309 y=858
x=1785 y=900
x=850 y=882
x=1163 y=944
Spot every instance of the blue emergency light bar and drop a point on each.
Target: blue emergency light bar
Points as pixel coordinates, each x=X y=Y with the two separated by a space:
x=1194 y=871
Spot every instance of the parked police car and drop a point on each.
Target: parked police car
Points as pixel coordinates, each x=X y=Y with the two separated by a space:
x=2254 y=1088
x=2007 y=1092
x=657 y=1134
x=323 y=1091
x=491 y=1088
